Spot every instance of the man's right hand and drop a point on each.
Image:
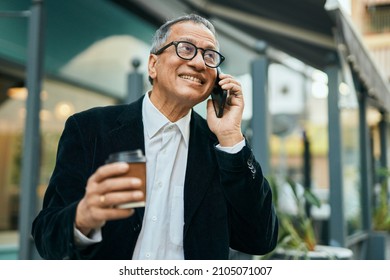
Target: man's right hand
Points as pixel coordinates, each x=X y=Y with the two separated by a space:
x=105 y=189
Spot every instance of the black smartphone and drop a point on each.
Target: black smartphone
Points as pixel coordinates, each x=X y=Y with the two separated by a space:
x=218 y=96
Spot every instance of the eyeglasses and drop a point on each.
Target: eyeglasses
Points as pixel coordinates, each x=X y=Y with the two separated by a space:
x=188 y=51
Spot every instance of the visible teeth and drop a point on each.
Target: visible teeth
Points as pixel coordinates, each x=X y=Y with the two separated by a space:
x=191 y=79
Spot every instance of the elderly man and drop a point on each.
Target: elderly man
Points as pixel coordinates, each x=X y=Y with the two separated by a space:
x=205 y=191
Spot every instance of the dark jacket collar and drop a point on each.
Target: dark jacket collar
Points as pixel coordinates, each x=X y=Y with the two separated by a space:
x=128 y=134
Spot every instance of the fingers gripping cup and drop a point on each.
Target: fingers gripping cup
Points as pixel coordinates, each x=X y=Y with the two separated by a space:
x=137 y=168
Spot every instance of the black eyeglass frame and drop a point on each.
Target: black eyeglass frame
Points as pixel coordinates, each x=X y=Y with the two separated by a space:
x=176 y=43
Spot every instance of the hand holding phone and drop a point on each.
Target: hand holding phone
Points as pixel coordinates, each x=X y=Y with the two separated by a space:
x=218 y=96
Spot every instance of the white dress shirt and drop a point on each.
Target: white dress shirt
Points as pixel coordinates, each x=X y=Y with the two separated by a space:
x=166 y=150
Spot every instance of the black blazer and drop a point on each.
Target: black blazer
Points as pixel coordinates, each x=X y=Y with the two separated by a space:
x=227 y=201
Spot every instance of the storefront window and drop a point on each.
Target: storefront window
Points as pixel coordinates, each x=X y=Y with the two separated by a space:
x=59 y=101
x=299 y=125
x=88 y=53
x=286 y=105
x=351 y=158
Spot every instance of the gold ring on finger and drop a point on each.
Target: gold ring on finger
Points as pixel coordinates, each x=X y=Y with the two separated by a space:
x=102 y=198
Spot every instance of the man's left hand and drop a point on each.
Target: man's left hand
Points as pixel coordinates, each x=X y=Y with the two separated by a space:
x=228 y=128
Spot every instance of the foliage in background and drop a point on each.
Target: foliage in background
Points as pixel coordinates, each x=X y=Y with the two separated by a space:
x=381 y=215
x=296 y=231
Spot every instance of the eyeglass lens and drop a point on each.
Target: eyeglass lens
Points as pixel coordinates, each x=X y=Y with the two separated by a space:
x=188 y=51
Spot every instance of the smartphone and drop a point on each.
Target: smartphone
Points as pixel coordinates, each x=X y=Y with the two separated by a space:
x=218 y=96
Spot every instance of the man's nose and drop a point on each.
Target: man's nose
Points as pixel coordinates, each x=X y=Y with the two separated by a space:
x=198 y=60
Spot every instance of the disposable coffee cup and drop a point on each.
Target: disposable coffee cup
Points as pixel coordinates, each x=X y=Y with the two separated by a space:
x=137 y=168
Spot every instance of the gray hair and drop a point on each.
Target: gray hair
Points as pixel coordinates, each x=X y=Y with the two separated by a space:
x=161 y=35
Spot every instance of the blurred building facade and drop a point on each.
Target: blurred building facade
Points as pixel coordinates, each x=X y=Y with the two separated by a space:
x=372 y=18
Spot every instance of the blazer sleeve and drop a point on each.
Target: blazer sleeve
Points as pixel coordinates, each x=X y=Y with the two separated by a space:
x=252 y=218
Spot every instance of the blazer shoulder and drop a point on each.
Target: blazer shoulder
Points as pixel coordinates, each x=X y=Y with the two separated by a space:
x=100 y=112
x=111 y=114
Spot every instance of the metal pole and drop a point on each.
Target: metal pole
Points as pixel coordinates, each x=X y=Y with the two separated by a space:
x=366 y=164
x=306 y=169
x=134 y=83
x=383 y=127
x=337 y=228
x=31 y=143
x=260 y=123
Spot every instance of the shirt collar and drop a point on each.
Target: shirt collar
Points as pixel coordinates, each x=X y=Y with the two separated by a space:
x=154 y=120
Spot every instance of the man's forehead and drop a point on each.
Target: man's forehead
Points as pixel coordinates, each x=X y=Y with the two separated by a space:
x=192 y=32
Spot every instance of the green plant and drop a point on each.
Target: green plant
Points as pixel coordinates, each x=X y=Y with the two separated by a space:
x=381 y=214
x=296 y=231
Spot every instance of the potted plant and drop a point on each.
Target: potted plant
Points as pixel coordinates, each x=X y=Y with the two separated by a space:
x=381 y=214
x=380 y=237
x=297 y=237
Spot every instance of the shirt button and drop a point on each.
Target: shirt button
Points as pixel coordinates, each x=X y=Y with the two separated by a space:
x=159 y=184
x=147 y=255
x=154 y=218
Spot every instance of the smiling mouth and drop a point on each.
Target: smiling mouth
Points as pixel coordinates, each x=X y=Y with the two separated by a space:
x=191 y=78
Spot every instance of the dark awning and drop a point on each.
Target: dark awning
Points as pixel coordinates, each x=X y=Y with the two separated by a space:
x=310 y=30
x=299 y=28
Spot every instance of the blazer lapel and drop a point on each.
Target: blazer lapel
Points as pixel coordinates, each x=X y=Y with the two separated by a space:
x=129 y=132
x=199 y=171
x=129 y=135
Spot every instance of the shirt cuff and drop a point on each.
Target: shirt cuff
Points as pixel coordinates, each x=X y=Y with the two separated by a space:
x=83 y=241
x=232 y=150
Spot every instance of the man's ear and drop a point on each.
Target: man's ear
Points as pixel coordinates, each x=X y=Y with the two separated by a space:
x=152 y=66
